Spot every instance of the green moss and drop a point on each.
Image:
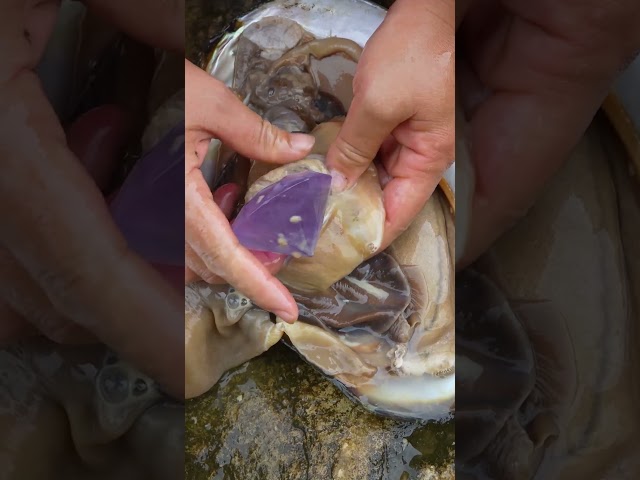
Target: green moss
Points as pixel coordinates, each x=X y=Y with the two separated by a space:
x=276 y=417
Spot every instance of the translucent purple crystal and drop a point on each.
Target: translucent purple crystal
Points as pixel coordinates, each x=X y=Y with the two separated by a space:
x=285 y=217
x=149 y=208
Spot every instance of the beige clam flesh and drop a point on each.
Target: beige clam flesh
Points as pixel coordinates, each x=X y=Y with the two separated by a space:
x=379 y=324
x=385 y=332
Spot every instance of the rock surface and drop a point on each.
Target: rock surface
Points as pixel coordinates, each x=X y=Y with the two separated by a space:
x=277 y=417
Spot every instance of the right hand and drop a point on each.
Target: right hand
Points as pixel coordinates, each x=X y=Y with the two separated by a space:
x=403 y=108
x=212 y=251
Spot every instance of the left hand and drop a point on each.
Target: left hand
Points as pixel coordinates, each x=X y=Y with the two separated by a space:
x=212 y=251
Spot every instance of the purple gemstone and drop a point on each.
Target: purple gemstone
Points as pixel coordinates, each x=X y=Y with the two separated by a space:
x=285 y=217
x=149 y=208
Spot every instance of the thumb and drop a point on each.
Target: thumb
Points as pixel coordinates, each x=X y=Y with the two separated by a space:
x=363 y=132
x=214 y=108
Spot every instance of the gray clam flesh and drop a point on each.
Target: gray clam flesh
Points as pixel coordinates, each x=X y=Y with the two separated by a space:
x=379 y=324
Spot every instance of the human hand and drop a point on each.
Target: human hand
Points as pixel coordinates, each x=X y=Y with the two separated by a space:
x=212 y=251
x=403 y=105
x=66 y=270
x=531 y=77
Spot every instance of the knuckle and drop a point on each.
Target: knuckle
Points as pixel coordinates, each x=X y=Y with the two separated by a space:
x=350 y=155
x=267 y=138
x=61 y=285
x=378 y=107
x=208 y=276
x=68 y=284
x=439 y=147
x=216 y=265
x=49 y=323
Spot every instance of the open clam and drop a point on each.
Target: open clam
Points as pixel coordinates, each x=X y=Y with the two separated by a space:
x=380 y=324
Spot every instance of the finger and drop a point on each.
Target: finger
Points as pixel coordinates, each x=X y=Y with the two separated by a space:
x=523 y=132
x=190 y=276
x=530 y=139
x=226 y=198
x=363 y=132
x=212 y=240
x=196 y=269
x=213 y=110
x=21 y=294
x=62 y=234
x=273 y=262
x=415 y=161
x=404 y=196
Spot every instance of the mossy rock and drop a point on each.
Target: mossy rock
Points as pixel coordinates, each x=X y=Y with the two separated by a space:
x=276 y=417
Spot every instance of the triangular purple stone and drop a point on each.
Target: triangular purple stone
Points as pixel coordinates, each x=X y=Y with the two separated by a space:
x=149 y=209
x=285 y=217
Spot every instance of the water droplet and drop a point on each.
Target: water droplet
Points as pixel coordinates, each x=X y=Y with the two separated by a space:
x=114 y=385
x=233 y=301
x=139 y=387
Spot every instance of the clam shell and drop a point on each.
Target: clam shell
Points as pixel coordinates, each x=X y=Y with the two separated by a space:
x=369 y=367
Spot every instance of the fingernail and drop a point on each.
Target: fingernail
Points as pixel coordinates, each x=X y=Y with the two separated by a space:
x=338 y=181
x=301 y=142
x=286 y=316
